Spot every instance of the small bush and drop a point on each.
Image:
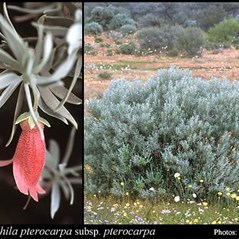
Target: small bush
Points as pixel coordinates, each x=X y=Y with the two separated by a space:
x=105 y=75
x=117 y=42
x=149 y=20
x=120 y=20
x=138 y=136
x=190 y=40
x=128 y=49
x=98 y=39
x=224 y=32
x=115 y=35
x=159 y=39
x=128 y=29
x=93 y=28
x=173 y=52
x=109 y=52
x=90 y=50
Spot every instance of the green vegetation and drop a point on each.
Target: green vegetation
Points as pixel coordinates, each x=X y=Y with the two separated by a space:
x=105 y=75
x=111 y=210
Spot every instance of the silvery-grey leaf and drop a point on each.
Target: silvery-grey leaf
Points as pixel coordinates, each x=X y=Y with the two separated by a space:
x=7 y=16
x=43 y=80
x=64 y=68
x=48 y=45
x=55 y=152
x=73 y=170
x=15 y=43
x=60 y=54
x=51 y=101
x=74 y=37
x=45 y=70
x=50 y=112
x=5 y=58
x=33 y=10
x=49 y=168
x=70 y=189
x=55 y=30
x=65 y=188
x=55 y=198
x=8 y=79
x=51 y=10
x=16 y=113
x=69 y=146
x=36 y=95
x=78 y=15
x=46 y=173
x=32 y=111
x=61 y=92
x=30 y=63
x=76 y=75
x=7 y=93
x=62 y=167
x=39 y=46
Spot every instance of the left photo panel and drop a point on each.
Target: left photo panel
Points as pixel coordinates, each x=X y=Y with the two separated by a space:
x=41 y=111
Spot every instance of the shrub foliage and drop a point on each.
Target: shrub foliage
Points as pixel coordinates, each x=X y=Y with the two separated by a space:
x=142 y=135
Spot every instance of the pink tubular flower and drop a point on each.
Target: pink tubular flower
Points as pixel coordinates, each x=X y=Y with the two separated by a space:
x=28 y=160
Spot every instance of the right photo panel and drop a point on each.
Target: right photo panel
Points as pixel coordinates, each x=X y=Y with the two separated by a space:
x=161 y=112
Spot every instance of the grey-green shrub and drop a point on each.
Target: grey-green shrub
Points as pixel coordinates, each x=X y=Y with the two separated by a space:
x=190 y=40
x=120 y=20
x=128 y=29
x=128 y=49
x=159 y=39
x=142 y=134
x=105 y=75
x=93 y=28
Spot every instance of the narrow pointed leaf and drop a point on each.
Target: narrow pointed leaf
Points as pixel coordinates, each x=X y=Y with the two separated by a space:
x=14 y=41
x=46 y=52
x=71 y=190
x=7 y=93
x=29 y=102
x=73 y=170
x=76 y=75
x=6 y=59
x=55 y=152
x=8 y=79
x=65 y=188
x=55 y=30
x=16 y=113
x=69 y=146
x=25 y=10
x=55 y=199
x=62 y=92
x=63 y=70
x=39 y=46
x=50 y=112
x=51 y=101
x=7 y=16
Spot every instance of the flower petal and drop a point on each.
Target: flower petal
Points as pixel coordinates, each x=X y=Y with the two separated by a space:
x=28 y=161
x=5 y=162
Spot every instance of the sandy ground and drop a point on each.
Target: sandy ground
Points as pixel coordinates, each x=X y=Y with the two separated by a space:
x=130 y=67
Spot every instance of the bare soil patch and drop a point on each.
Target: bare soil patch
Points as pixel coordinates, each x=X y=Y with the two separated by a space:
x=130 y=67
